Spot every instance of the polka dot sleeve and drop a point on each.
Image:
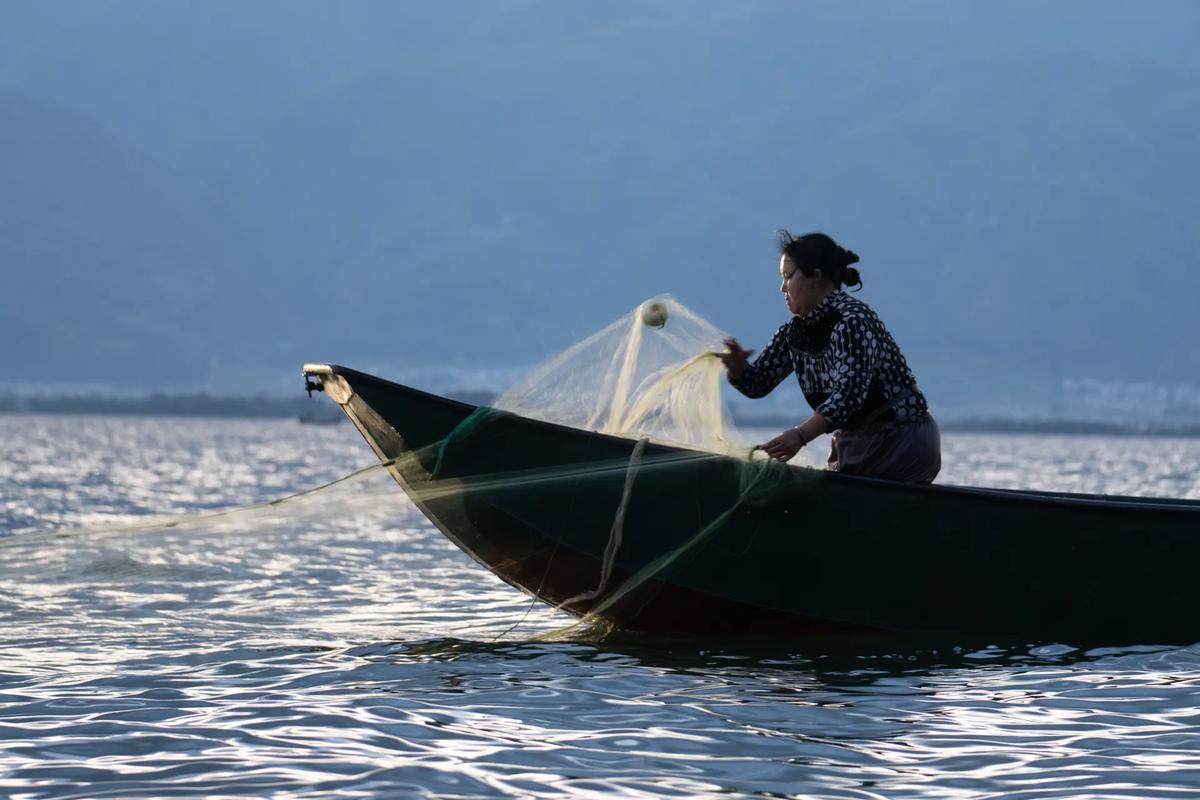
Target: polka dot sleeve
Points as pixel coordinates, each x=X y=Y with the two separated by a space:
x=767 y=371
x=854 y=357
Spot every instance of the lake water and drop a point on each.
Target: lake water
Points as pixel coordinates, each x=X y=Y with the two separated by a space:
x=335 y=644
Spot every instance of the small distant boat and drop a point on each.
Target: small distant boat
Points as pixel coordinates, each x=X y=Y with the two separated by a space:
x=313 y=419
x=817 y=552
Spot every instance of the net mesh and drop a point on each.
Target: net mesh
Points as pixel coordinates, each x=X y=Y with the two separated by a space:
x=654 y=373
x=758 y=480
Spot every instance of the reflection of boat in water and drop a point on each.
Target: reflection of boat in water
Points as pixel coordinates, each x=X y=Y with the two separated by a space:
x=804 y=552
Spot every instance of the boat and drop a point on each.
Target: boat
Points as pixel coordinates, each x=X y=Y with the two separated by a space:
x=807 y=552
x=313 y=419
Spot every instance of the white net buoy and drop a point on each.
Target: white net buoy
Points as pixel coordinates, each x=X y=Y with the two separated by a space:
x=654 y=313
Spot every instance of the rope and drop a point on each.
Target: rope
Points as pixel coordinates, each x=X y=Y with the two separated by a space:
x=618 y=529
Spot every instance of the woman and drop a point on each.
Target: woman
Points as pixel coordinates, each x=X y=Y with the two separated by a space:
x=851 y=372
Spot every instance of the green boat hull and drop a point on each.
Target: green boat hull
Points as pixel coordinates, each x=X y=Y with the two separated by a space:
x=804 y=551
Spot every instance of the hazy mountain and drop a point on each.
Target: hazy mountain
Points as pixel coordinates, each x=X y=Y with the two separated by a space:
x=215 y=190
x=115 y=267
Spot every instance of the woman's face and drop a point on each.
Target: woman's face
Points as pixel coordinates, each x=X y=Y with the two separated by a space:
x=801 y=293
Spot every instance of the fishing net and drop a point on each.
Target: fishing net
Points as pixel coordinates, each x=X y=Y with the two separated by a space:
x=654 y=373
x=652 y=377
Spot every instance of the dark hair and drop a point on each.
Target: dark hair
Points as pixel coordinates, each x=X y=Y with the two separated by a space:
x=814 y=251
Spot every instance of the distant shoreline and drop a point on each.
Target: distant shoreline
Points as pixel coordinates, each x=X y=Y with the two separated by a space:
x=1068 y=427
x=304 y=409
x=199 y=404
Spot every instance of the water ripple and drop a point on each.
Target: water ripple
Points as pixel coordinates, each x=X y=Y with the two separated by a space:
x=336 y=644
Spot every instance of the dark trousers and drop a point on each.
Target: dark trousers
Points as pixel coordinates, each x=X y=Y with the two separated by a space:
x=909 y=451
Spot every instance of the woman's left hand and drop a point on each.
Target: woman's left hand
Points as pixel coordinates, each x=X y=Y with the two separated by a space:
x=785 y=445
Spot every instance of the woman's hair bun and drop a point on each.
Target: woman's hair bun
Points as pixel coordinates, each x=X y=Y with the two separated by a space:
x=851 y=257
x=852 y=277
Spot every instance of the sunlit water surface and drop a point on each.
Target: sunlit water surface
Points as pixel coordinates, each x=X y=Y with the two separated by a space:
x=335 y=644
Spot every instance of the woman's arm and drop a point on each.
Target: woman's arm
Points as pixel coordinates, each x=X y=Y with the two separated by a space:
x=788 y=443
x=765 y=373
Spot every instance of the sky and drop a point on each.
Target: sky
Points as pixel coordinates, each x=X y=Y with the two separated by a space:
x=205 y=195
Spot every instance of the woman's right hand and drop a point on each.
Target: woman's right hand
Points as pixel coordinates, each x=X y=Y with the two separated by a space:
x=734 y=358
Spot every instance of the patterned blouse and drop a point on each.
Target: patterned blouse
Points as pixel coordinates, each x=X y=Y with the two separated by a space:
x=848 y=365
